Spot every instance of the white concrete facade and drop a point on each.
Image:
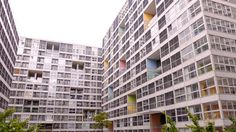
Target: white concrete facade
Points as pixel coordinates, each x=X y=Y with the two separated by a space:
x=57 y=85
x=170 y=56
x=8 y=45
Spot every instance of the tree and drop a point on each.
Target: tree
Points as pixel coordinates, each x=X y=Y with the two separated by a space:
x=169 y=126
x=232 y=127
x=101 y=121
x=14 y=125
x=195 y=127
x=210 y=127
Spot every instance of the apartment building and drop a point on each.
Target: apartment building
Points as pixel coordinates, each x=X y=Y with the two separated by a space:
x=170 y=56
x=8 y=46
x=57 y=85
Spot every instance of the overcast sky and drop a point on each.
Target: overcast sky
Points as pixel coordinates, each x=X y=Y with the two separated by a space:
x=73 y=21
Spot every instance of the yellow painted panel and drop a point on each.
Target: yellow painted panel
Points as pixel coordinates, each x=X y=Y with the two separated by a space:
x=147 y=17
x=106 y=65
x=131 y=109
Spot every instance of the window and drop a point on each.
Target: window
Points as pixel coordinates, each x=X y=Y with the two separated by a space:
x=55 y=61
x=174 y=43
x=182 y=114
x=165 y=50
x=162 y=22
x=195 y=9
x=220 y=25
x=225 y=64
x=42 y=53
x=145 y=91
x=139 y=107
x=211 y=110
x=159 y=85
x=184 y=36
x=175 y=60
x=160 y=100
x=226 y=85
x=170 y=14
x=218 y=8
x=197 y=27
x=190 y=71
x=148 y=35
x=42 y=44
x=167 y=81
x=28 y=42
x=39 y=66
x=222 y=44
x=163 y=36
x=141 y=30
x=167 y=3
x=166 y=65
x=160 y=9
x=172 y=114
x=207 y=87
x=152 y=102
x=187 y=53
x=192 y=91
x=54 y=67
x=26 y=51
x=148 y=48
x=178 y=77
x=180 y=95
x=173 y=28
x=151 y=88
x=204 y=65
x=145 y=105
x=139 y=93
x=146 y=118
x=196 y=110
x=182 y=19
x=229 y=108
x=140 y=120
x=169 y=98
x=201 y=45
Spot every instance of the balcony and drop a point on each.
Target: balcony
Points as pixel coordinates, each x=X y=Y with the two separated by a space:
x=131 y=102
x=149 y=15
x=153 y=65
x=34 y=76
x=77 y=66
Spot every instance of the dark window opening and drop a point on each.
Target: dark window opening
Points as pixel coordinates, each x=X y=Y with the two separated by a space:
x=78 y=65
